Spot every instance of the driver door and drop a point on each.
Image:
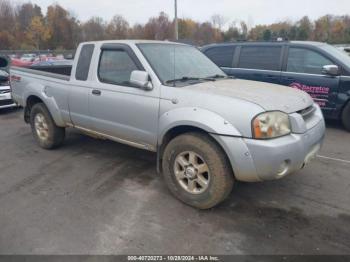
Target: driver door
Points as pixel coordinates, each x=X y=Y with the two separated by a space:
x=119 y=109
x=304 y=72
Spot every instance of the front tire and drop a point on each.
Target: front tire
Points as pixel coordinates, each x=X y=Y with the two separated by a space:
x=47 y=134
x=197 y=171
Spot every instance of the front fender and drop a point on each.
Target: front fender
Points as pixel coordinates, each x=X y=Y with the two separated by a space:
x=196 y=117
x=41 y=92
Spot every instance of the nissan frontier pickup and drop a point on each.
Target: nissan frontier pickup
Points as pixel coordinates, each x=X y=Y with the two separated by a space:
x=208 y=129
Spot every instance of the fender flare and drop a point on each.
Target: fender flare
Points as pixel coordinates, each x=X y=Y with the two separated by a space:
x=42 y=93
x=196 y=117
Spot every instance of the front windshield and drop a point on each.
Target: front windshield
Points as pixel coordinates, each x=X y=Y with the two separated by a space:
x=338 y=54
x=179 y=65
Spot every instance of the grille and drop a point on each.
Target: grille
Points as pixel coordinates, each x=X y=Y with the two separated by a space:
x=6 y=102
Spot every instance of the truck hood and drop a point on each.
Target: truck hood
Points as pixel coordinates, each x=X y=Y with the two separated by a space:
x=270 y=97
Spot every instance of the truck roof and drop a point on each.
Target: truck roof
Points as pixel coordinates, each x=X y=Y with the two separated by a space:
x=132 y=42
x=314 y=43
x=307 y=43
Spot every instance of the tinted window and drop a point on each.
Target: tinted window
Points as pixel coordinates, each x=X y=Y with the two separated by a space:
x=116 y=67
x=84 y=61
x=306 y=61
x=342 y=56
x=222 y=56
x=260 y=57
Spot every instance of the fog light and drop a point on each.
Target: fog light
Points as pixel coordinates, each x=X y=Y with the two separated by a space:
x=283 y=169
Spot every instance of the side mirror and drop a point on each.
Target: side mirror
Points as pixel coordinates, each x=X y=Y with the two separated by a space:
x=331 y=70
x=141 y=79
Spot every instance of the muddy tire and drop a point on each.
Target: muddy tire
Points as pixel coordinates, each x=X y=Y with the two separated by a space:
x=44 y=129
x=197 y=171
x=346 y=117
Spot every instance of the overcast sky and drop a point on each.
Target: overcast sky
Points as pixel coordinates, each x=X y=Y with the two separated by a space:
x=252 y=11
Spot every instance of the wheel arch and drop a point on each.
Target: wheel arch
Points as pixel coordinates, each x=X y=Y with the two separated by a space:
x=345 y=115
x=199 y=118
x=33 y=99
x=180 y=130
x=188 y=119
x=345 y=104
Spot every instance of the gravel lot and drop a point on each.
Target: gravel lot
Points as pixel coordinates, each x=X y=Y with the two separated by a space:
x=100 y=197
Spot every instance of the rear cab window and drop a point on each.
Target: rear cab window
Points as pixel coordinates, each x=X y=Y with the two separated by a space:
x=221 y=55
x=261 y=57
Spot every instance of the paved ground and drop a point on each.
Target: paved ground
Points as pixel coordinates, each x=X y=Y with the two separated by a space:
x=99 y=197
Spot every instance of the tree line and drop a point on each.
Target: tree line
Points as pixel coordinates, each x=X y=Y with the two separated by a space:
x=24 y=26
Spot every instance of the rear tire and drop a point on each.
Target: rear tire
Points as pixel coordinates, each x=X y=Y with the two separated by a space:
x=203 y=182
x=346 y=117
x=47 y=134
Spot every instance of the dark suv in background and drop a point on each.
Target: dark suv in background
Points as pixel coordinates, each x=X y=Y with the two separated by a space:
x=319 y=69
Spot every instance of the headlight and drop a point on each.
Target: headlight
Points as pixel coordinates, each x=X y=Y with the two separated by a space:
x=271 y=125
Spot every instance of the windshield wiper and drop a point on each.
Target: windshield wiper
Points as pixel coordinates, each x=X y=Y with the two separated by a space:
x=182 y=79
x=187 y=78
x=217 y=76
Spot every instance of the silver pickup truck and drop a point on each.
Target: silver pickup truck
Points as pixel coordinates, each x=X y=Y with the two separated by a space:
x=207 y=129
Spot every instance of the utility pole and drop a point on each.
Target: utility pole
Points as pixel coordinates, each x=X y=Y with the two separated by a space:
x=176 y=23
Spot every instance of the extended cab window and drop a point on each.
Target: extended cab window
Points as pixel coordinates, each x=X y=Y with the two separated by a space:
x=306 y=61
x=83 y=66
x=221 y=55
x=116 y=67
x=260 y=57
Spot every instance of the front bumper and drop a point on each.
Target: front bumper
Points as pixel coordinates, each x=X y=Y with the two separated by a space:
x=260 y=160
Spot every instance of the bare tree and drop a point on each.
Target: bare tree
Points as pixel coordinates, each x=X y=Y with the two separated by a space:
x=137 y=31
x=94 y=29
x=218 y=21
x=25 y=14
x=159 y=28
x=7 y=15
x=118 y=28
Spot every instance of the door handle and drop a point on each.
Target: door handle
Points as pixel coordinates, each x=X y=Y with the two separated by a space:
x=96 y=92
